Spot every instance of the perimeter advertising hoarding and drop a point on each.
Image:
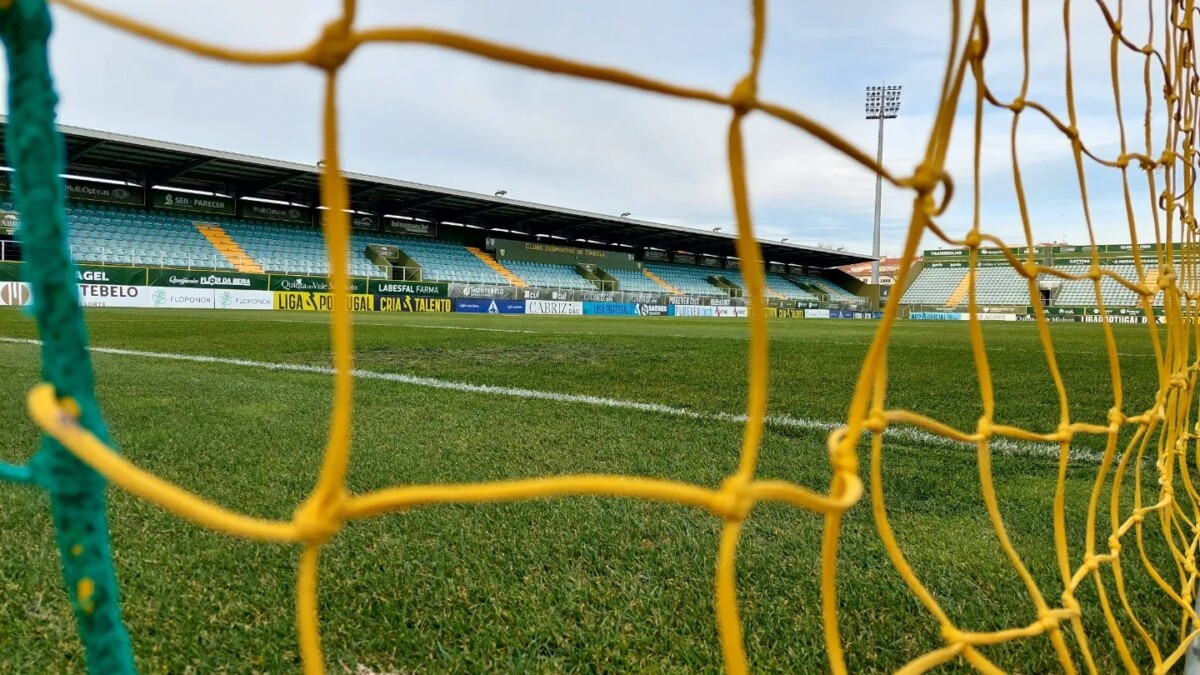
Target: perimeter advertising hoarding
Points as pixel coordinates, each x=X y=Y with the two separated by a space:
x=610 y=309
x=553 y=307
x=283 y=282
x=936 y=316
x=125 y=276
x=544 y=294
x=8 y=222
x=410 y=303
x=112 y=295
x=181 y=298
x=691 y=310
x=257 y=300
x=731 y=312
x=198 y=279
x=15 y=294
x=644 y=309
x=484 y=306
x=423 y=289
x=321 y=302
x=458 y=290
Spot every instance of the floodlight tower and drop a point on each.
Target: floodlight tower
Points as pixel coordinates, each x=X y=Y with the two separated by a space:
x=883 y=103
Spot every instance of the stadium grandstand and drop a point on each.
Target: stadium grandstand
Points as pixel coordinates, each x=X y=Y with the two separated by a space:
x=941 y=278
x=139 y=203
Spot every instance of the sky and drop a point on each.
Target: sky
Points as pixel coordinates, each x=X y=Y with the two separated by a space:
x=432 y=116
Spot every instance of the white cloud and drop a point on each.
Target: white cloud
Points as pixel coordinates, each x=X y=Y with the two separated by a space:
x=432 y=116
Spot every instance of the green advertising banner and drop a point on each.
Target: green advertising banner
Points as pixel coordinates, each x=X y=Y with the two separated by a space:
x=359 y=220
x=10 y=271
x=419 y=228
x=122 y=276
x=285 y=282
x=286 y=213
x=112 y=193
x=203 y=279
x=8 y=222
x=5 y=181
x=557 y=254
x=945 y=253
x=1059 y=311
x=185 y=201
x=1124 y=248
x=421 y=289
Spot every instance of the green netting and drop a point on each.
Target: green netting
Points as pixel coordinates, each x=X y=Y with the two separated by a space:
x=77 y=493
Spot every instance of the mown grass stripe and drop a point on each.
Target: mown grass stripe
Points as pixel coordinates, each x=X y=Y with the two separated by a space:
x=902 y=434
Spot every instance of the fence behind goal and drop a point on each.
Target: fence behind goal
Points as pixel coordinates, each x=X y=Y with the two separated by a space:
x=76 y=459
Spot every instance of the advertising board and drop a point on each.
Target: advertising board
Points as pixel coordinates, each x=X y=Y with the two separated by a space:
x=411 y=303
x=610 y=309
x=320 y=302
x=14 y=294
x=501 y=306
x=553 y=307
x=651 y=309
x=110 y=295
x=732 y=312
x=691 y=310
x=181 y=298
x=232 y=299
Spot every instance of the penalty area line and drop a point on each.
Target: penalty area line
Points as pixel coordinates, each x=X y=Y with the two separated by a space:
x=904 y=434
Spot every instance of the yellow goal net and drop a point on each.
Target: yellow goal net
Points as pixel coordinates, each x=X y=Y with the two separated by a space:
x=1156 y=434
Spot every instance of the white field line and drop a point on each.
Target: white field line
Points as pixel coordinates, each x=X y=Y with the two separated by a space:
x=904 y=434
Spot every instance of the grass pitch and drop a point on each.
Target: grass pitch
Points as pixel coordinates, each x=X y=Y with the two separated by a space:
x=578 y=584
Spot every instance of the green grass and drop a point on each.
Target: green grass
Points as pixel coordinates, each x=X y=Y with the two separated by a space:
x=579 y=584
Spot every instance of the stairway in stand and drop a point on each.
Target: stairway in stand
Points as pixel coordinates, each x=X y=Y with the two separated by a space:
x=491 y=262
x=220 y=239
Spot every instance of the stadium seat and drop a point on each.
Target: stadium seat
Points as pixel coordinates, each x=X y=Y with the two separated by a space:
x=934 y=286
x=634 y=281
x=688 y=279
x=547 y=275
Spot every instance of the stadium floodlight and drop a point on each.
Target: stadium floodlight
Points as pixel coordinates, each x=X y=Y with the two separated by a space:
x=626 y=214
x=501 y=193
x=883 y=103
x=783 y=240
x=716 y=229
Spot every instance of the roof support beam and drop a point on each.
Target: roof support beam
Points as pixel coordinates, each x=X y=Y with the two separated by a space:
x=252 y=189
x=356 y=194
x=85 y=149
x=480 y=212
x=160 y=177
